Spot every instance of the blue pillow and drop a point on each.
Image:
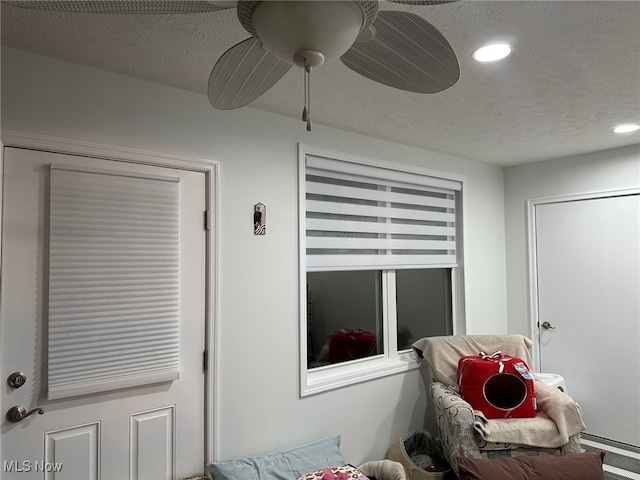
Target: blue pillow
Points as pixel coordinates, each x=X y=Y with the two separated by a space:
x=285 y=465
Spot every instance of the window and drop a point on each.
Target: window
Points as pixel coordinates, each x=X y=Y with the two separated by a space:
x=423 y=304
x=380 y=266
x=344 y=312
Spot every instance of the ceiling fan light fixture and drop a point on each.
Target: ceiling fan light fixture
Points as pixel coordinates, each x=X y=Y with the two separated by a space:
x=493 y=52
x=286 y=28
x=626 y=128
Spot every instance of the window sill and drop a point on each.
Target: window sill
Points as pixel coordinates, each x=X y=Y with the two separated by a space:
x=323 y=379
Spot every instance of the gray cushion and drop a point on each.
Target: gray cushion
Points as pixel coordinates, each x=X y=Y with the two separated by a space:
x=284 y=465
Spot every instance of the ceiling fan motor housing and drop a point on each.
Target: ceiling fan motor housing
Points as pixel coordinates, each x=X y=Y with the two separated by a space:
x=289 y=28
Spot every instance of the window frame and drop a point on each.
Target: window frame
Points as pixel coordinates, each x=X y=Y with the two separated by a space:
x=392 y=361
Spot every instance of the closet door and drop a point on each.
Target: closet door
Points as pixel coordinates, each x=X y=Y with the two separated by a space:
x=84 y=318
x=588 y=280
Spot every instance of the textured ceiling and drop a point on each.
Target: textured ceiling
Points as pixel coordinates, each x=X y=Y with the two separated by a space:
x=573 y=75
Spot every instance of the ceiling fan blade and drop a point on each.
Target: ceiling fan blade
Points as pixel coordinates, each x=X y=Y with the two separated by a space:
x=123 y=6
x=422 y=2
x=242 y=74
x=407 y=52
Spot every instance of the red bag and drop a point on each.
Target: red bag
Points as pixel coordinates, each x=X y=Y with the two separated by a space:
x=498 y=385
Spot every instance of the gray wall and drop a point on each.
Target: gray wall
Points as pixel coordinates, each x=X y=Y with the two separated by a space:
x=259 y=408
x=595 y=172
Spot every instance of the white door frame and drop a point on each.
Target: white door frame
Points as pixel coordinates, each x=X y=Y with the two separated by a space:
x=210 y=168
x=532 y=258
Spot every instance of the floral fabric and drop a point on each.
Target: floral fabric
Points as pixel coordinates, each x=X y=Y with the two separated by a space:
x=344 y=472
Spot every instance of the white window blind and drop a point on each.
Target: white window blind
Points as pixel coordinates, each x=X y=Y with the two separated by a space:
x=369 y=217
x=113 y=281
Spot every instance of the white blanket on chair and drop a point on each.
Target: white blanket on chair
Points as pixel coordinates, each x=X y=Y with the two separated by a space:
x=558 y=419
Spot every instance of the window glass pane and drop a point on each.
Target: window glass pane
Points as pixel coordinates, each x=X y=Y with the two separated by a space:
x=423 y=306
x=344 y=316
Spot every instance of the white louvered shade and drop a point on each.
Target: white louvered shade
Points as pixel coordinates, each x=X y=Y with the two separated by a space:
x=368 y=217
x=113 y=281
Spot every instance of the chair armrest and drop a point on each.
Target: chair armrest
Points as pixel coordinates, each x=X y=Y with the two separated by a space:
x=551 y=398
x=561 y=408
x=455 y=418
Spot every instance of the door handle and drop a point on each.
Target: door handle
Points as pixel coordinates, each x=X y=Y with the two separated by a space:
x=19 y=413
x=547 y=326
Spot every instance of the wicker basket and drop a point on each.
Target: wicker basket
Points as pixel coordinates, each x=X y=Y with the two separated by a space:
x=419 y=454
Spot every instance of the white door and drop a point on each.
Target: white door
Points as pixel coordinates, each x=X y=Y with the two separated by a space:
x=588 y=276
x=149 y=432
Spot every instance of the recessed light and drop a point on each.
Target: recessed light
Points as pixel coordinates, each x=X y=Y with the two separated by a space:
x=626 y=128
x=491 y=53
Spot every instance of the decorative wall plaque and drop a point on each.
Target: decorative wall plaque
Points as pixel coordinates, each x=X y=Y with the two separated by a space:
x=259 y=219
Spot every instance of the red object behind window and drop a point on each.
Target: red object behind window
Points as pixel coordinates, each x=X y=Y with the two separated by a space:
x=349 y=344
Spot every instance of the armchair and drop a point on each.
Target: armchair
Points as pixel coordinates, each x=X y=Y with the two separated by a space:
x=464 y=432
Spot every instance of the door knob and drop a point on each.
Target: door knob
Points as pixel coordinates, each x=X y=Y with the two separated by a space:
x=547 y=326
x=19 y=413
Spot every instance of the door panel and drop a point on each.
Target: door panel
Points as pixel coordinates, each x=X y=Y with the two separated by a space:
x=588 y=272
x=149 y=432
x=73 y=451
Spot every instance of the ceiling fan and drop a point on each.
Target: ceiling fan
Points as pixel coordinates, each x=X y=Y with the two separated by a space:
x=395 y=48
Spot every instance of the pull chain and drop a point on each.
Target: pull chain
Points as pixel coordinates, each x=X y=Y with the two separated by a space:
x=306 y=111
x=307 y=60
